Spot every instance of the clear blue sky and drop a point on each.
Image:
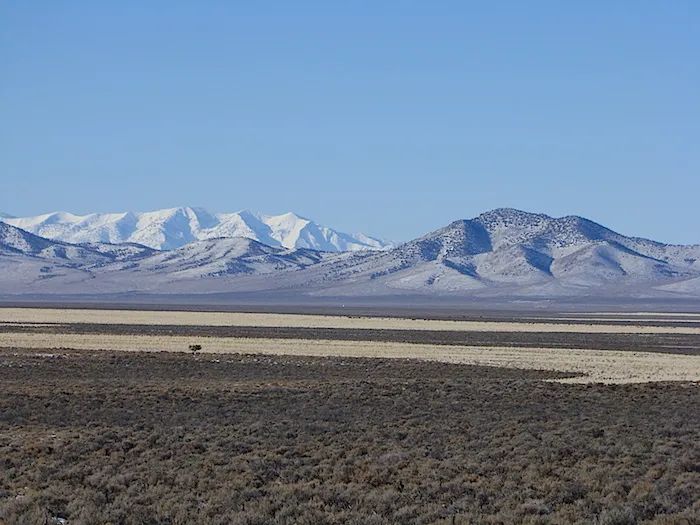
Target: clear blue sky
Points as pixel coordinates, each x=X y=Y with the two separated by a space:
x=387 y=117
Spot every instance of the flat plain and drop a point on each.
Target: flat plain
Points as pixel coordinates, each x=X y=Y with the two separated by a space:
x=106 y=416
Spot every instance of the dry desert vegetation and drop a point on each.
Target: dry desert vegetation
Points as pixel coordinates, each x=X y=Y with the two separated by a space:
x=109 y=417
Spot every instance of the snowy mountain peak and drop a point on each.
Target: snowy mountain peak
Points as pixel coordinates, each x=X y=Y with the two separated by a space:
x=513 y=220
x=290 y=215
x=508 y=227
x=511 y=215
x=171 y=228
x=510 y=251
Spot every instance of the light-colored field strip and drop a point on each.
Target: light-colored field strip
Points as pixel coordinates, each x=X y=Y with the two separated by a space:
x=40 y=315
x=630 y=320
x=646 y=314
x=599 y=366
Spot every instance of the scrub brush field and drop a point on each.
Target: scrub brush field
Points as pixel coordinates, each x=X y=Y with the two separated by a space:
x=341 y=429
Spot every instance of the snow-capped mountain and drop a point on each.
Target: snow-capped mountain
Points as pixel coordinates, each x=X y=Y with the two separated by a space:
x=219 y=257
x=501 y=253
x=32 y=264
x=28 y=261
x=15 y=241
x=507 y=249
x=173 y=228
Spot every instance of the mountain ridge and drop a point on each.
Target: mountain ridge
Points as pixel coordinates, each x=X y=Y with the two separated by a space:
x=173 y=228
x=500 y=253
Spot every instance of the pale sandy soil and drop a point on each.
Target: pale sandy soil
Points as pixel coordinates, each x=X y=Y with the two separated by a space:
x=599 y=366
x=647 y=314
x=631 y=320
x=28 y=315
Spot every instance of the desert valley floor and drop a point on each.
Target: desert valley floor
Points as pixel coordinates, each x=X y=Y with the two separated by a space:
x=106 y=416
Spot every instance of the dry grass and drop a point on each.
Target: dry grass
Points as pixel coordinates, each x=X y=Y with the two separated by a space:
x=41 y=315
x=604 y=366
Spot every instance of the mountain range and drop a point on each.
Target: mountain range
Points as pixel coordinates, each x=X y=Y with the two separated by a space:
x=175 y=227
x=503 y=253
